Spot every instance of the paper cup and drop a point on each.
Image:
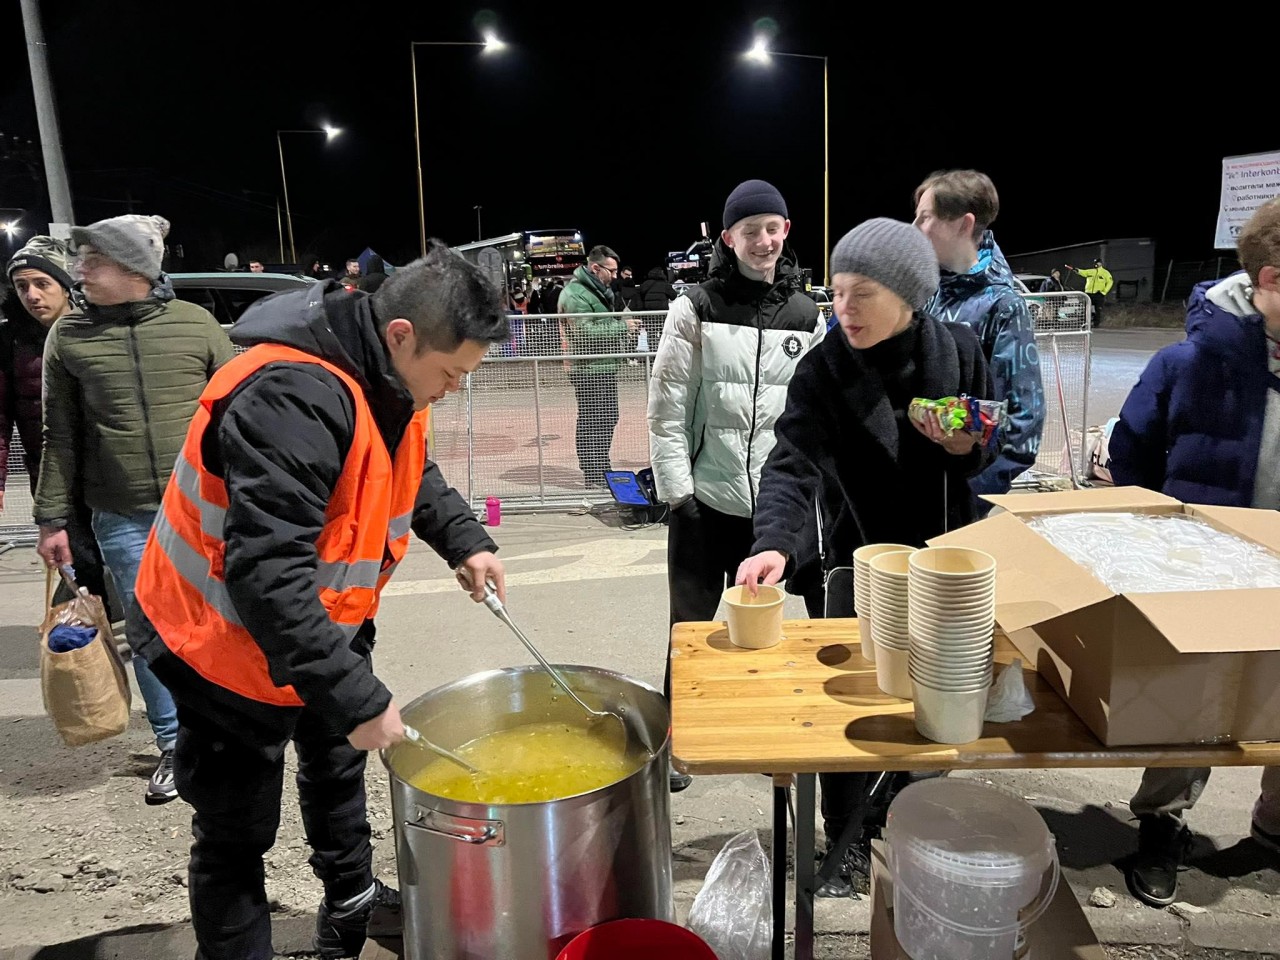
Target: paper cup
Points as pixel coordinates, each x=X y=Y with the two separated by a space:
x=864 y=635
x=949 y=717
x=862 y=558
x=892 y=671
x=754 y=622
x=949 y=563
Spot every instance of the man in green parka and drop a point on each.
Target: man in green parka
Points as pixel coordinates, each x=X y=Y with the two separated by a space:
x=122 y=376
x=595 y=381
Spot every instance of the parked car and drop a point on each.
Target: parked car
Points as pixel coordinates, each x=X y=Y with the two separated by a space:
x=824 y=298
x=228 y=295
x=1068 y=311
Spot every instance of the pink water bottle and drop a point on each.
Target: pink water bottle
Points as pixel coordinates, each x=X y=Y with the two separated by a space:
x=493 y=511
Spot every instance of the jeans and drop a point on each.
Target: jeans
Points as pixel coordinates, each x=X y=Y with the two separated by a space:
x=121 y=539
x=597 y=396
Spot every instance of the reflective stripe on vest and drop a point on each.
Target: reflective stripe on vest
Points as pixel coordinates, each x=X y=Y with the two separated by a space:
x=181 y=583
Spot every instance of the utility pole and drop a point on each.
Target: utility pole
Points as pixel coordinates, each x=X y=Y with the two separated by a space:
x=55 y=166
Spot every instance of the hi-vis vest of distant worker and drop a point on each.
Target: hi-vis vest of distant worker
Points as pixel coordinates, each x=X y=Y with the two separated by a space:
x=181 y=586
x=1097 y=280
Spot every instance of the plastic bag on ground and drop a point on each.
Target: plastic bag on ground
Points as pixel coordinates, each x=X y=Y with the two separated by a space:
x=733 y=912
x=1009 y=699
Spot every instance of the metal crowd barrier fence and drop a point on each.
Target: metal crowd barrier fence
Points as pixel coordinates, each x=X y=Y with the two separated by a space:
x=537 y=429
x=16 y=528
x=1062 y=320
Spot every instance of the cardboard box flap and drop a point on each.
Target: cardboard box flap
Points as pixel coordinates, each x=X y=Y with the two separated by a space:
x=1035 y=581
x=1213 y=621
x=1077 y=501
x=1260 y=526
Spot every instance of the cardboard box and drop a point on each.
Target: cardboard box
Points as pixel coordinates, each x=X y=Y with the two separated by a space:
x=1149 y=668
x=1062 y=933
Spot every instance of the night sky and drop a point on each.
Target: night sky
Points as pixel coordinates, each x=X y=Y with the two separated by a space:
x=607 y=118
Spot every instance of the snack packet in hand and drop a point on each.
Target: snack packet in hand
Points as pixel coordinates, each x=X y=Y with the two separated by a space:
x=983 y=418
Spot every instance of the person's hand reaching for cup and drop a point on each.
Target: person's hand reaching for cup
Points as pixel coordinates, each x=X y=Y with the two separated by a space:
x=767 y=568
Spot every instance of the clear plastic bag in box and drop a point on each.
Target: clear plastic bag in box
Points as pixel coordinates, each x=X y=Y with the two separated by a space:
x=1136 y=553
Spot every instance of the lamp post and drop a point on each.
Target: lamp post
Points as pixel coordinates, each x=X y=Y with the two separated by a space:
x=760 y=53
x=479 y=232
x=491 y=44
x=329 y=133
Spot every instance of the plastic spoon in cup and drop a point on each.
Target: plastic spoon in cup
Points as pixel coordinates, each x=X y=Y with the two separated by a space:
x=418 y=740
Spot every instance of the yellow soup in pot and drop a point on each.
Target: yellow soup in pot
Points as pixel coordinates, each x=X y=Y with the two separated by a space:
x=531 y=763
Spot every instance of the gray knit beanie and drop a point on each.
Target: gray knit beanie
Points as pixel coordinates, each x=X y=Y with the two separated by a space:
x=46 y=255
x=133 y=241
x=752 y=198
x=891 y=253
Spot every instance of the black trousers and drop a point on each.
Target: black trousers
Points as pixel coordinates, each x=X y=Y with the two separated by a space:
x=1098 y=301
x=704 y=549
x=597 y=396
x=234 y=786
x=845 y=794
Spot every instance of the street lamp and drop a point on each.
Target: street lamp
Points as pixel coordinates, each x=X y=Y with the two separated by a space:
x=328 y=132
x=491 y=44
x=761 y=54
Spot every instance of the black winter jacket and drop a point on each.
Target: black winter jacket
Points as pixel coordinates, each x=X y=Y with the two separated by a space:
x=656 y=293
x=278 y=441
x=844 y=440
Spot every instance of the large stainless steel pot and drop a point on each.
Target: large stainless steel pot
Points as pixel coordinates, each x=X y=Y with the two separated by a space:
x=518 y=881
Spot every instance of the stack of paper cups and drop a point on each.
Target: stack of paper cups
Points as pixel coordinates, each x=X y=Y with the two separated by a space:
x=952 y=601
x=889 y=622
x=862 y=558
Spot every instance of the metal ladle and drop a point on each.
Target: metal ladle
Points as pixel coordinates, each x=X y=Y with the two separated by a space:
x=418 y=740
x=632 y=727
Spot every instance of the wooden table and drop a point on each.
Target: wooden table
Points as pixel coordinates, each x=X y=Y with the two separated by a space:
x=811 y=704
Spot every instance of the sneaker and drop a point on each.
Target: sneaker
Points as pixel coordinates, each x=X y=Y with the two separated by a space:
x=161 y=788
x=1152 y=874
x=340 y=937
x=1269 y=840
x=678 y=781
x=853 y=877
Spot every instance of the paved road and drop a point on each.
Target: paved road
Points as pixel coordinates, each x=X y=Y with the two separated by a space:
x=590 y=593
x=1118 y=359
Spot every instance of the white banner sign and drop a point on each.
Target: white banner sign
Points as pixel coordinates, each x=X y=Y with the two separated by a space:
x=1247 y=183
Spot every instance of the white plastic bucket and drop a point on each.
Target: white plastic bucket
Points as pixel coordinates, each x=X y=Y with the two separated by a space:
x=973 y=868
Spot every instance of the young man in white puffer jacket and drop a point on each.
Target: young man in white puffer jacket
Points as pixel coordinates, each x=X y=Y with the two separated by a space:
x=728 y=350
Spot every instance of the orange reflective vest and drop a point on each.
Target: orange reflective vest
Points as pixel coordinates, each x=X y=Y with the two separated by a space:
x=181 y=586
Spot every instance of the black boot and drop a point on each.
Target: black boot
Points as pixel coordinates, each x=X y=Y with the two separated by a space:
x=677 y=781
x=1153 y=872
x=853 y=877
x=343 y=935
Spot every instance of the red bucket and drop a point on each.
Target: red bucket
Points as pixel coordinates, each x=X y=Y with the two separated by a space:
x=636 y=940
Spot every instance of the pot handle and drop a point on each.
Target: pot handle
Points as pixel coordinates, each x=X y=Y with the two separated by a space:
x=481 y=833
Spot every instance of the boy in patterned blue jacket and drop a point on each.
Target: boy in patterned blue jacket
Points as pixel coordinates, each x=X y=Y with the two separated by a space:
x=955 y=209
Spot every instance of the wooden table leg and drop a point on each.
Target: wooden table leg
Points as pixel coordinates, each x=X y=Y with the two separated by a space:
x=805 y=799
x=781 y=803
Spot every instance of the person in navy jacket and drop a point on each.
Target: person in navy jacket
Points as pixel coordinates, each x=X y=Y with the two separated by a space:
x=1203 y=425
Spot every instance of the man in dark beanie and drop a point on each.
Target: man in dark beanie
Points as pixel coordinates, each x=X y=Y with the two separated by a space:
x=727 y=352
x=846 y=430
x=121 y=378
x=40 y=277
